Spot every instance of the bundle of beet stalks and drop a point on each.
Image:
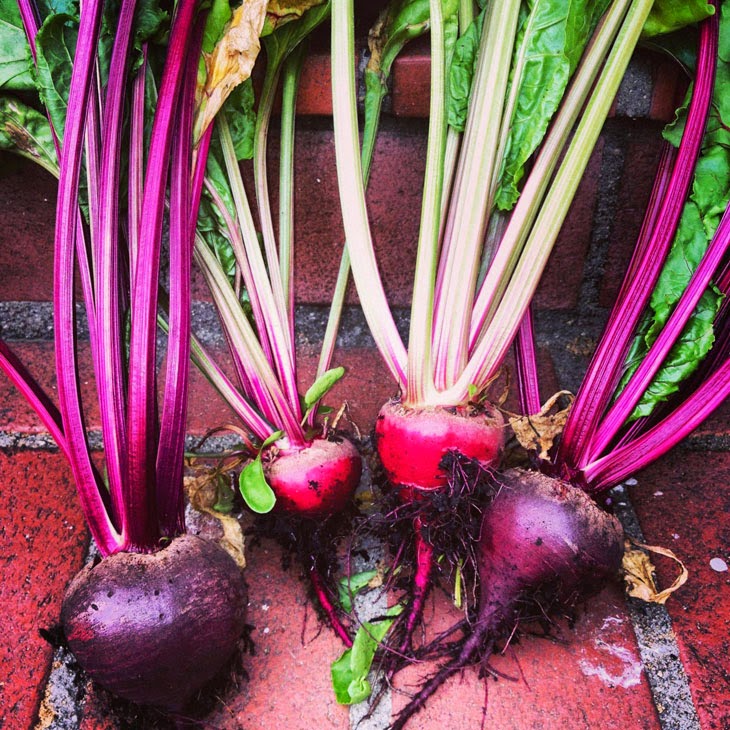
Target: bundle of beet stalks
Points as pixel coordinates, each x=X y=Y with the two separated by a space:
x=510 y=133
x=162 y=612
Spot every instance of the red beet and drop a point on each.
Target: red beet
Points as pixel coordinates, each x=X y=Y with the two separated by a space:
x=316 y=481
x=541 y=540
x=155 y=628
x=412 y=442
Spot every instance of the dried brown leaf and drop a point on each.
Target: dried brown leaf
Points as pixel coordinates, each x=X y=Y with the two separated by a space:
x=639 y=572
x=537 y=432
x=231 y=61
x=279 y=12
x=202 y=493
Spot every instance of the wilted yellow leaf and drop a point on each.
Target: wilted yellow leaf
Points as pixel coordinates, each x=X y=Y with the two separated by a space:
x=639 y=572
x=538 y=431
x=231 y=61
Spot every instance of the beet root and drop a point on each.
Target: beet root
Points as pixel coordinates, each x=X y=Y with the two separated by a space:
x=154 y=629
x=412 y=443
x=316 y=481
x=542 y=541
x=415 y=445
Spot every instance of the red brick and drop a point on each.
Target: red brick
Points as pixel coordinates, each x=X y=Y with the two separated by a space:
x=28 y=203
x=718 y=424
x=394 y=199
x=561 y=282
x=668 y=88
x=683 y=504
x=289 y=676
x=365 y=387
x=640 y=164
x=43 y=541
x=394 y=202
x=411 y=81
x=586 y=677
x=38 y=357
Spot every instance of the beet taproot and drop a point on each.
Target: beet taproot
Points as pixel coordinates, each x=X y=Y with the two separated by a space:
x=542 y=541
x=155 y=628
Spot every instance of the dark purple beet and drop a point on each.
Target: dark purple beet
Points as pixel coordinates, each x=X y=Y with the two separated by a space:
x=541 y=540
x=155 y=628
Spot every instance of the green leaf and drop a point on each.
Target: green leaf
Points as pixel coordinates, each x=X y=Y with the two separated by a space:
x=241 y=115
x=400 y=22
x=56 y=45
x=224 y=494
x=690 y=349
x=351 y=585
x=282 y=12
x=322 y=386
x=349 y=672
x=280 y=40
x=25 y=131
x=550 y=43
x=461 y=73
x=719 y=121
x=218 y=15
x=255 y=490
x=670 y=15
x=15 y=61
x=51 y=7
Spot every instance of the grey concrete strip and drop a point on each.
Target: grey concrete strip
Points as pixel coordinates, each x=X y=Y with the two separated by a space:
x=21 y=321
x=657 y=642
x=62 y=704
x=15 y=441
x=368 y=605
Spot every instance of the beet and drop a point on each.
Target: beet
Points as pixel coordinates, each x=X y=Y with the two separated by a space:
x=542 y=540
x=316 y=481
x=412 y=443
x=155 y=628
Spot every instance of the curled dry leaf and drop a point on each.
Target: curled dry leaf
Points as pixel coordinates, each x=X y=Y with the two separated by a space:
x=279 y=12
x=639 y=572
x=538 y=431
x=202 y=493
x=231 y=61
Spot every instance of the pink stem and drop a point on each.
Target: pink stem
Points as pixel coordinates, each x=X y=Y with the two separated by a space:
x=528 y=380
x=603 y=373
x=324 y=601
x=421 y=584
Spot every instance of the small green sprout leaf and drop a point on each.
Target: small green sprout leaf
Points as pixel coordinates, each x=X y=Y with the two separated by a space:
x=255 y=490
x=458 y=581
x=270 y=440
x=351 y=585
x=349 y=672
x=322 y=385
